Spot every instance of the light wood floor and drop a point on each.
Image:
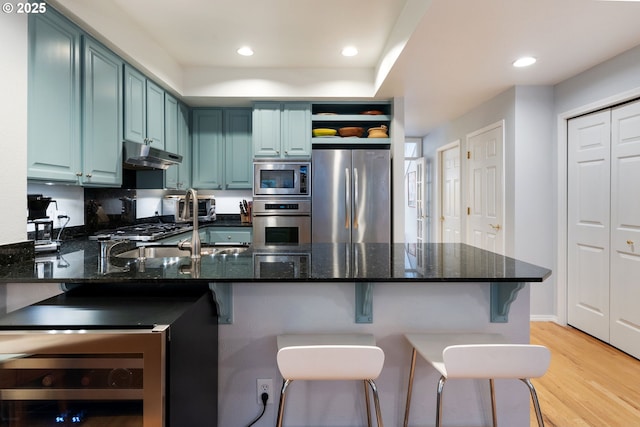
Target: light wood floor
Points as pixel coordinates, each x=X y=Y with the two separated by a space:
x=589 y=383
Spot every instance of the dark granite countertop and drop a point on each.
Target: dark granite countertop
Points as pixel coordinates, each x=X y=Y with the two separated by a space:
x=78 y=261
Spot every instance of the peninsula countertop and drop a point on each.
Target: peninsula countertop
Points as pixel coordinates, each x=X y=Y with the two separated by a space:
x=78 y=261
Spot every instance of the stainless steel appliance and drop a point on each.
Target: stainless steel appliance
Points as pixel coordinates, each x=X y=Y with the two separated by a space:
x=147 y=232
x=278 y=265
x=107 y=360
x=37 y=206
x=283 y=178
x=281 y=221
x=144 y=155
x=174 y=205
x=351 y=196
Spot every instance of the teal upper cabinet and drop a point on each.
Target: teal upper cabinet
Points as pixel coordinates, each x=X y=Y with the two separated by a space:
x=54 y=99
x=135 y=105
x=238 y=149
x=155 y=115
x=208 y=150
x=75 y=118
x=282 y=130
x=171 y=137
x=143 y=109
x=222 y=149
x=184 y=148
x=296 y=129
x=101 y=116
x=177 y=140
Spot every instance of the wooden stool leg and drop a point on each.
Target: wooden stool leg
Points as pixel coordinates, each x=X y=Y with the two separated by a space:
x=410 y=389
x=283 y=391
x=534 y=399
x=494 y=413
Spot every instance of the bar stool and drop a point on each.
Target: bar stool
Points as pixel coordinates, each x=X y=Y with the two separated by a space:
x=330 y=357
x=478 y=356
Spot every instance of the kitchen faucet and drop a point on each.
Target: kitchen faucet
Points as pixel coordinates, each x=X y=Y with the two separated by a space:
x=194 y=244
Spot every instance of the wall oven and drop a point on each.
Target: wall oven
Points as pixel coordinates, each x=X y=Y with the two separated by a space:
x=281 y=221
x=284 y=178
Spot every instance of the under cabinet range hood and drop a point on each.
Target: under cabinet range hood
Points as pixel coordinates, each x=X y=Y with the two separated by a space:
x=146 y=156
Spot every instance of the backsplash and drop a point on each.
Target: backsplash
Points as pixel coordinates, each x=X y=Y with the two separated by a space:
x=73 y=202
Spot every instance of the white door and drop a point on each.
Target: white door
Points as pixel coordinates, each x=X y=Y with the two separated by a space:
x=625 y=228
x=450 y=203
x=421 y=215
x=485 y=213
x=588 y=223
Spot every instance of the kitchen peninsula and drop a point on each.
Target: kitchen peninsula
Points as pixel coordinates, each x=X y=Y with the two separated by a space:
x=384 y=289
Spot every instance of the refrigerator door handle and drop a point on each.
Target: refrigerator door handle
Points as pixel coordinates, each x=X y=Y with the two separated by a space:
x=355 y=198
x=347 y=199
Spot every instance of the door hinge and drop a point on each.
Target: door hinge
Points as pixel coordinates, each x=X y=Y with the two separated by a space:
x=468 y=154
x=468 y=210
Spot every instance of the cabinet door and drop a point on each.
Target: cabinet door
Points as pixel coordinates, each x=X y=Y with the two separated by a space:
x=625 y=228
x=208 y=152
x=171 y=138
x=184 y=148
x=135 y=99
x=588 y=223
x=155 y=115
x=54 y=99
x=296 y=130
x=238 y=149
x=266 y=129
x=102 y=116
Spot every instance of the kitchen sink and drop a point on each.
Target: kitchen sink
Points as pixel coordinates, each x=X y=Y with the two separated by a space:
x=175 y=252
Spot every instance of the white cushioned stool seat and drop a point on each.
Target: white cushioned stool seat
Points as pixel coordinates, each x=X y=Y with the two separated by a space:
x=477 y=356
x=330 y=357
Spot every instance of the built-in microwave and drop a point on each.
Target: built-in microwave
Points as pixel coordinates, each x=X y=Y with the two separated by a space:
x=282 y=178
x=174 y=205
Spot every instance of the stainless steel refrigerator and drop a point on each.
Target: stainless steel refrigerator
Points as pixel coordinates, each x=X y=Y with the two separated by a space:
x=351 y=196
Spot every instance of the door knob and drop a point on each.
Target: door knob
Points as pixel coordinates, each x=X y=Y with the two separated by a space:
x=629 y=242
x=495 y=226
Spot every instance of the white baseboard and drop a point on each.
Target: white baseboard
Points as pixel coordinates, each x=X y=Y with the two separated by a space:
x=544 y=318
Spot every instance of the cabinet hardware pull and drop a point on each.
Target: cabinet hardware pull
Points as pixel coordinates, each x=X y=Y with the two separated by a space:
x=78 y=173
x=89 y=175
x=629 y=242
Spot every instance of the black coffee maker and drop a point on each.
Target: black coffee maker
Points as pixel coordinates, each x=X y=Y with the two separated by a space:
x=37 y=205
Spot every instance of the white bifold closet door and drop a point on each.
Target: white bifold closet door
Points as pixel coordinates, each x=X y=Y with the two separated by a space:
x=625 y=228
x=604 y=225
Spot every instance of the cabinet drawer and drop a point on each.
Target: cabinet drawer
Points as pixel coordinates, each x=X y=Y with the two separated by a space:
x=229 y=235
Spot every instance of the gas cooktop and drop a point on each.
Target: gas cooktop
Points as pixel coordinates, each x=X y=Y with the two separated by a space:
x=143 y=232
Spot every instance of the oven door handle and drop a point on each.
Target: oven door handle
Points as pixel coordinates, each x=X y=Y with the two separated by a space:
x=347 y=199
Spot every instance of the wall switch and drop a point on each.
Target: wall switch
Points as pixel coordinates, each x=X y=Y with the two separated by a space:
x=264 y=386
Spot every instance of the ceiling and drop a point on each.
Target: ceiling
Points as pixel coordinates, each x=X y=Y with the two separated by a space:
x=444 y=57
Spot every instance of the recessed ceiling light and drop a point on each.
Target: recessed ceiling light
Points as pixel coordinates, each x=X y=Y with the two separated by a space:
x=525 y=61
x=349 y=51
x=245 y=51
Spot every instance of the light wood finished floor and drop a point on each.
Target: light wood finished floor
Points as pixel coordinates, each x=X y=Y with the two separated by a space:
x=589 y=383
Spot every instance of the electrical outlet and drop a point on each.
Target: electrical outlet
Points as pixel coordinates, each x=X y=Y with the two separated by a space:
x=264 y=386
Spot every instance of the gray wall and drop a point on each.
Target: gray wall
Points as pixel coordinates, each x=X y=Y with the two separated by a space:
x=527 y=112
x=535 y=155
x=264 y=310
